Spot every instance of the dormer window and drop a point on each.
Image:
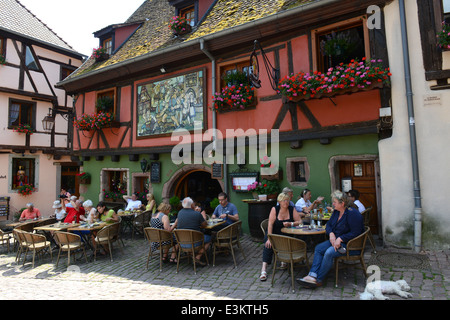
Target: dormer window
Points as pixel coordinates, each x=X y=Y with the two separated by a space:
x=189 y=14
x=107 y=45
x=187 y=9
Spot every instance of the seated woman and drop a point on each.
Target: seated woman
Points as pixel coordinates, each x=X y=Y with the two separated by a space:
x=91 y=214
x=151 y=203
x=304 y=204
x=279 y=217
x=60 y=213
x=160 y=220
x=105 y=215
x=345 y=224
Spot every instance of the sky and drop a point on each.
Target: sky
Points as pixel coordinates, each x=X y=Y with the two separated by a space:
x=76 y=20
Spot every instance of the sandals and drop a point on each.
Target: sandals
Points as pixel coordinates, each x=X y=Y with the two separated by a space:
x=263 y=276
x=283 y=266
x=173 y=260
x=309 y=282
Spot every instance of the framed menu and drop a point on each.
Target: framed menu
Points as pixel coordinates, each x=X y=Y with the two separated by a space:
x=155 y=172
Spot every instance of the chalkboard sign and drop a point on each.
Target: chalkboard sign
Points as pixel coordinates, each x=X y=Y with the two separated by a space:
x=155 y=172
x=4 y=207
x=217 y=171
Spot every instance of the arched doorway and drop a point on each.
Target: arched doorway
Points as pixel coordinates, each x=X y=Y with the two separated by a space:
x=198 y=185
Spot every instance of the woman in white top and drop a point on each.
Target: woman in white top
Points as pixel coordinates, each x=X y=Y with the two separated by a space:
x=60 y=213
x=91 y=213
x=304 y=204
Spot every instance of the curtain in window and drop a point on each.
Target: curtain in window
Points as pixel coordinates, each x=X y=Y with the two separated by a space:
x=14 y=111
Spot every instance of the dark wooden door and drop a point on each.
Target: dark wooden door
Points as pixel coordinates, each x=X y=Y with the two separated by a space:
x=363 y=178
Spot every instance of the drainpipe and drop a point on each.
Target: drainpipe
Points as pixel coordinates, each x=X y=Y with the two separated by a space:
x=412 y=132
x=214 y=119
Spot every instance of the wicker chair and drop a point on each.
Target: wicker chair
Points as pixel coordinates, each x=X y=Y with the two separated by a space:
x=4 y=238
x=356 y=244
x=138 y=224
x=19 y=241
x=189 y=238
x=366 y=215
x=37 y=243
x=289 y=250
x=160 y=236
x=264 y=225
x=107 y=236
x=226 y=239
x=68 y=242
x=147 y=216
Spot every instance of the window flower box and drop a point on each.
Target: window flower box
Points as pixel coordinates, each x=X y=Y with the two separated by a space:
x=444 y=37
x=94 y=121
x=85 y=177
x=24 y=128
x=342 y=79
x=26 y=189
x=100 y=54
x=234 y=98
x=2 y=60
x=180 y=25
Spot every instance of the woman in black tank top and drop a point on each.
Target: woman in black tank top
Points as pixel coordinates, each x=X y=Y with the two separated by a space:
x=282 y=215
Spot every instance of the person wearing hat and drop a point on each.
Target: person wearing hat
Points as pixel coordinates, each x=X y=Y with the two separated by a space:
x=60 y=213
x=30 y=213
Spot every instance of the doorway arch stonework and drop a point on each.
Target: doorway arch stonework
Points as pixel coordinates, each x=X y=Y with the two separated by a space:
x=169 y=186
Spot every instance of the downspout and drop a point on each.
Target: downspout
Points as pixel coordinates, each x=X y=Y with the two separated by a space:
x=214 y=119
x=412 y=132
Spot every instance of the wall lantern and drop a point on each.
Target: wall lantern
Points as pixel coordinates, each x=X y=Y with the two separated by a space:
x=48 y=122
x=144 y=165
x=273 y=73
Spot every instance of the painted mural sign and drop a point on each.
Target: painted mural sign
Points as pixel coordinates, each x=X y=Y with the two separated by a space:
x=169 y=104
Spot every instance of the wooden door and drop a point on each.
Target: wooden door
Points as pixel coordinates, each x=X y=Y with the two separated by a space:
x=363 y=179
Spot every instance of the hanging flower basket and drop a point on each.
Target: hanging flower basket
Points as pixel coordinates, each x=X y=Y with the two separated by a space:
x=234 y=98
x=85 y=177
x=26 y=190
x=24 y=128
x=342 y=79
x=180 y=25
x=87 y=122
x=444 y=37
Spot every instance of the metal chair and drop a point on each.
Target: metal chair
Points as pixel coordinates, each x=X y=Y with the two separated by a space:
x=226 y=239
x=68 y=242
x=190 y=242
x=366 y=215
x=37 y=243
x=356 y=244
x=164 y=239
x=289 y=250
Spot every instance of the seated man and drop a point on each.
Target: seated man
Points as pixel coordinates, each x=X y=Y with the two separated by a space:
x=225 y=210
x=133 y=202
x=190 y=219
x=30 y=213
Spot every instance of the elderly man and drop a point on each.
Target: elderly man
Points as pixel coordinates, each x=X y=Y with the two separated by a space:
x=188 y=218
x=30 y=213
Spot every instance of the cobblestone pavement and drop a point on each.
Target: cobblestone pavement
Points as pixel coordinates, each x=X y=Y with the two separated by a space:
x=126 y=278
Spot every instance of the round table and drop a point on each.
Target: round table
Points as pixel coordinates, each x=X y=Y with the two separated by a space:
x=303 y=231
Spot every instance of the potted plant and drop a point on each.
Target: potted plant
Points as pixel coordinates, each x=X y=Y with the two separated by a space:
x=344 y=78
x=270 y=188
x=94 y=121
x=444 y=37
x=2 y=60
x=104 y=104
x=180 y=25
x=338 y=46
x=238 y=94
x=24 y=128
x=26 y=189
x=85 y=177
x=100 y=54
x=175 y=203
x=266 y=163
x=114 y=195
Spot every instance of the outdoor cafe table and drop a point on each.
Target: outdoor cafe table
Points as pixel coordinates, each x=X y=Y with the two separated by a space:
x=128 y=218
x=302 y=232
x=27 y=222
x=59 y=226
x=85 y=231
x=212 y=223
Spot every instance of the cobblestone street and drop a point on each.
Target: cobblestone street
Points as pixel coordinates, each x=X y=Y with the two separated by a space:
x=126 y=278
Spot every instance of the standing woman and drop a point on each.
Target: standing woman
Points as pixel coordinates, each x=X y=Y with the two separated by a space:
x=279 y=217
x=345 y=224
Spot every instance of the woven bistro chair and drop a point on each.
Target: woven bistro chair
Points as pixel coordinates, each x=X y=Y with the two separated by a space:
x=68 y=242
x=264 y=225
x=366 y=216
x=107 y=236
x=164 y=239
x=4 y=238
x=19 y=240
x=226 y=239
x=37 y=243
x=354 y=245
x=138 y=224
x=289 y=250
x=189 y=239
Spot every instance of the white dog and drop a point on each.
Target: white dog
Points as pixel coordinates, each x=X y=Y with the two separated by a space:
x=375 y=290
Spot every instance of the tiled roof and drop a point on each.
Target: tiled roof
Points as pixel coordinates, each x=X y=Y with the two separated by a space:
x=154 y=34
x=18 y=19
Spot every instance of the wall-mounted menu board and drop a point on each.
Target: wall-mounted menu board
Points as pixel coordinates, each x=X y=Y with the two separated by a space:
x=241 y=180
x=155 y=172
x=217 y=171
x=4 y=208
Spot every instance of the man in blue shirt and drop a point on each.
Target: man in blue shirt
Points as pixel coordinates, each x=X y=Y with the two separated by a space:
x=225 y=210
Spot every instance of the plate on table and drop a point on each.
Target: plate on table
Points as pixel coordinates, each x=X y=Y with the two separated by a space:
x=216 y=220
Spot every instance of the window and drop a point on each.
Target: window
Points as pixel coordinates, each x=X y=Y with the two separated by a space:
x=340 y=42
x=65 y=72
x=21 y=112
x=297 y=171
x=114 y=184
x=2 y=44
x=243 y=67
x=107 y=44
x=30 y=61
x=106 y=101
x=189 y=13
x=23 y=172
x=446 y=10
